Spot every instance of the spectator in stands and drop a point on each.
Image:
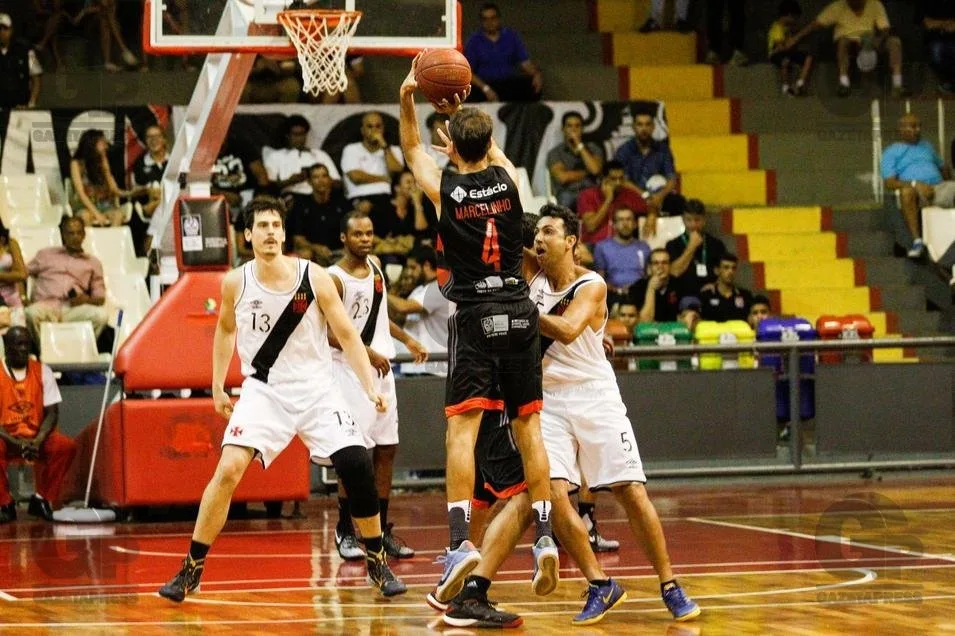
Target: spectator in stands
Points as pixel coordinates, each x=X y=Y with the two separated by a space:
x=596 y=205
x=759 y=310
x=287 y=168
x=425 y=311
x=629 y=315
x=312 y=226
x=622 y=258
x=52 y=15
x=369 y=166
x=722 y=300
x=573 y=164
x=273 y=81
x=434 y=122
x=147 y=172
x=913 y=168
x=104 y=12
x=643 y=158
x=13 y=276
x=656 y=22
x=695 y=254
x=860 y=26
x=501 y=69
x=413 y=213
x=237 y=174
x=786 y=59
x=29 y=413
x=20 y=71
x=657 y=296
x=938 y=18
x=689 y=312
x=715 y=10
x=96 y=194
x=67 y=282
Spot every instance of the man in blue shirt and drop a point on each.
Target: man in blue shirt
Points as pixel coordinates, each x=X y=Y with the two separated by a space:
x=914 y=169
x=643 y=158
x=501 y=69
x=621 y=259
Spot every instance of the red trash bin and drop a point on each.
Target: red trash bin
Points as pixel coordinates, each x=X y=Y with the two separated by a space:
x=850 y=327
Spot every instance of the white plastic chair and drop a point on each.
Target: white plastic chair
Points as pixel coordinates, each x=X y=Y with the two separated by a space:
x=938 y=230
x=668 y=228
x=129 y=293
x=68 y=342
x=25 y=200
x=113 y=246
x=34 y=238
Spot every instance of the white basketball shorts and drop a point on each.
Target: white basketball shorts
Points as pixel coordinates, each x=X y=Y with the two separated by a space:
x=378 y=429
x=586 y=431
x=265 y=420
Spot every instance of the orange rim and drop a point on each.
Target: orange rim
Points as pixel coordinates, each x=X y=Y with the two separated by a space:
x=331 y=18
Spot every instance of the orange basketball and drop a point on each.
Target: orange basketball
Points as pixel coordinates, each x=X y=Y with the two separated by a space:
x=443 y=73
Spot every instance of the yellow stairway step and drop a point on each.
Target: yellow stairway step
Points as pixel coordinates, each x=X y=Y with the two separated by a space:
x=621 y=15
x=653 y=49
x=700 y=117
x=776 y=220
x=748 y=187
x=790 y=247
x=671 y=83
x=808 y=274
x=818 y=301
x=713 y=153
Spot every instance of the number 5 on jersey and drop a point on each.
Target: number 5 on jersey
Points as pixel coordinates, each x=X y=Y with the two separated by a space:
x=491 y=254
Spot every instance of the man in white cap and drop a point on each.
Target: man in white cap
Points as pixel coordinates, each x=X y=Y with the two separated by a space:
x=19 y=70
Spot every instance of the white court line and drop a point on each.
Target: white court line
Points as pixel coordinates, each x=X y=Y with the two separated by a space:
x=523 y=581
x=867 y=577
x=308 y=555
x=770 y=515
x=827 y=539
x=7 y=597
x=430 y=616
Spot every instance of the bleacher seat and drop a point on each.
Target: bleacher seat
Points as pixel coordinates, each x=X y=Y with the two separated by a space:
x=68 y=342
x=668 y=228
x=25 y=200
x=129 y=293
x=938 y=230
x=33 y=238
x=114 y=248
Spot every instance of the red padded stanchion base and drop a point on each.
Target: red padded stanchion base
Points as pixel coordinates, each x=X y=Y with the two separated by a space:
x=163 y=452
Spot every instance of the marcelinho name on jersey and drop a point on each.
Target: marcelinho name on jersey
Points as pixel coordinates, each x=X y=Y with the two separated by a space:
x=480 y=210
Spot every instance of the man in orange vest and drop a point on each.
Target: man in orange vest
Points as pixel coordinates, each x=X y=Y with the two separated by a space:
x=29 y=411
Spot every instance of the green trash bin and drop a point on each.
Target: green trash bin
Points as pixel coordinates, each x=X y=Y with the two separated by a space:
x=663 y=334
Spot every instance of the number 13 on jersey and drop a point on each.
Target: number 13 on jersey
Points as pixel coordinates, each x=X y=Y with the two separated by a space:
x=491 y=254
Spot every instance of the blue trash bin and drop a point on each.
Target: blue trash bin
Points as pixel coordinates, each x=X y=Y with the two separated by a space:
x=787 y=330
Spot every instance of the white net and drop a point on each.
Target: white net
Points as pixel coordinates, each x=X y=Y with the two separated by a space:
x=321 y=39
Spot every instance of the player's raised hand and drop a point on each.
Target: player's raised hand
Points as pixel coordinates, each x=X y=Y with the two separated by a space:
x=223 y=403
x=448 y=147
x=410 y=84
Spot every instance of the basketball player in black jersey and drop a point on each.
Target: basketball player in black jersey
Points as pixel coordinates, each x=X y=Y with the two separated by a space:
x=494 y=333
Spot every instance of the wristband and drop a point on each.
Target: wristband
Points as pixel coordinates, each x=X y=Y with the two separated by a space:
x=486 y=88
x=579 y=148
x=914 y=183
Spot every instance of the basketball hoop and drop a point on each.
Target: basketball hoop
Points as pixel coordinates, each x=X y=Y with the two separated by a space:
x=321 y=38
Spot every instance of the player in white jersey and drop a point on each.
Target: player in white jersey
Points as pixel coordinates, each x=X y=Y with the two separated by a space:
x=584 y=418
x=361 y=286
x=274 y=309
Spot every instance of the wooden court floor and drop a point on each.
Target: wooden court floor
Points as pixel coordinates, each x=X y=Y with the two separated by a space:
x=809 y=556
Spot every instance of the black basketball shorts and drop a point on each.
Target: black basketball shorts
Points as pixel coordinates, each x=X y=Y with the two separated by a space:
x=499 y=471
x=489 y=345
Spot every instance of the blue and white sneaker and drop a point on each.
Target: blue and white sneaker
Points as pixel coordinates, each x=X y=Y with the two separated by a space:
x=546 y=567
x=457 y=565
x=682 y=607
x=600 y=600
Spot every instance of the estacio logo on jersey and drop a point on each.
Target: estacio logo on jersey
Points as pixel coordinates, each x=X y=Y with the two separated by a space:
x=459 y=193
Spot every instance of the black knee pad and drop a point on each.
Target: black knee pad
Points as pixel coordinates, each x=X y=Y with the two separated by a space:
x=353 y=465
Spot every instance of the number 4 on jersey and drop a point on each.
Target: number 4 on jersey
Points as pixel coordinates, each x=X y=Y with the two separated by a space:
x=491 y=255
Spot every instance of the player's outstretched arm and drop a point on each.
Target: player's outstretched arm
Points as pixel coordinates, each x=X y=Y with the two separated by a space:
x=497 y=158
x=354 y=349
x=223 y=343
x=424 y=168
x=590 y=298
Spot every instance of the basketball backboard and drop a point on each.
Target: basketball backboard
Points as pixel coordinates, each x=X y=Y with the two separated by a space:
x=179 y=27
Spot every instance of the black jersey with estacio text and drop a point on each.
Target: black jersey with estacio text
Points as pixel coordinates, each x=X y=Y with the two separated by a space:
x=480 y=236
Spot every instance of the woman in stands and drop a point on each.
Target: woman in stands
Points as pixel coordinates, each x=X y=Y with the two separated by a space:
x=96 y=198
x=13 y=276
